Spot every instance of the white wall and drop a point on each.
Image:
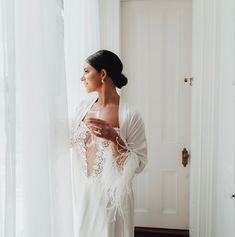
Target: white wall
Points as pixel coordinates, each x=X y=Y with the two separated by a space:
x=224 y=151
x=212 y=165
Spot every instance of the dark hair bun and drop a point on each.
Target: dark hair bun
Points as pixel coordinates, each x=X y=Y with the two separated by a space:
x=104 y=59
x=120 y=81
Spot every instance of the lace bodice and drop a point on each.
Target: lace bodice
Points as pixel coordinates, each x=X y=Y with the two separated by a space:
x=90 y=149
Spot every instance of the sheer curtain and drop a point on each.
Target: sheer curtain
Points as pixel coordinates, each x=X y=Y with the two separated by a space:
x=37 y=101
x=89 y=25
x=35 y=189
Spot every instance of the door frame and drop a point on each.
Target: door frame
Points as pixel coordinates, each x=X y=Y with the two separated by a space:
x=203 y=108
x=206 y=23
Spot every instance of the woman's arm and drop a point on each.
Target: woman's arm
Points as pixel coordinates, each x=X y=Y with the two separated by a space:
x=134 y=145
x=119 y=149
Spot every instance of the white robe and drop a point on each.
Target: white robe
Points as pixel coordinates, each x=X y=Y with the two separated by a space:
x=104 y=206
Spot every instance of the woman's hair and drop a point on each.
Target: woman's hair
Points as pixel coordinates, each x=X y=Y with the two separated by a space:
x=104 y=59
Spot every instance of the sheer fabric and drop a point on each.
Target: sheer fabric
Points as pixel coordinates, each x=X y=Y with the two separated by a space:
x=88 y=26
x=90 y=149
x=82 y=38
x=35 y=183
x=35 y=174
x=92 y=216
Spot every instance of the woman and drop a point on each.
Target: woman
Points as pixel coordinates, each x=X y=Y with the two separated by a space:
x=109 y=146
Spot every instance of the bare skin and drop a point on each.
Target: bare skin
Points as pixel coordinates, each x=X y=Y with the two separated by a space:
x=108 y=105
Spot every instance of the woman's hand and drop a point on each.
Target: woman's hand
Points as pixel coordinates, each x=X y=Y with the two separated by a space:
x=101 y=128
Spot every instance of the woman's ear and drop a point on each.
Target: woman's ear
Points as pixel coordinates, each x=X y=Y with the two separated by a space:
x=103 y=73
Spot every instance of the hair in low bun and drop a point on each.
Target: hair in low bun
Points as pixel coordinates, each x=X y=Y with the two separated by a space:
x=104 y=59
x=120 y=81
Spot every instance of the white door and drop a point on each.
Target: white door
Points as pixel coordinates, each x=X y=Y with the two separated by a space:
x=156 y=54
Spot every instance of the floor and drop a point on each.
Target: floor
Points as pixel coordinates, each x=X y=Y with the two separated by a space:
x=161 y=233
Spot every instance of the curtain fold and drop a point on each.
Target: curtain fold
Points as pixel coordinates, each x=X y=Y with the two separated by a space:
x=37 y=101
x=35 y=185
x=89 y=26
x=82 y=38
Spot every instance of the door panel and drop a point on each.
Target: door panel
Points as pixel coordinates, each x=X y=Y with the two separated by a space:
x=156 y=54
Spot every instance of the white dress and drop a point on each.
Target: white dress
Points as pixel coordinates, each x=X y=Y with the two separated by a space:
x=103 y=199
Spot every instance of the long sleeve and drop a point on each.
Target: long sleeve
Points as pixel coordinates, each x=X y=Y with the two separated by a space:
x=117 y=181
x=136 y=142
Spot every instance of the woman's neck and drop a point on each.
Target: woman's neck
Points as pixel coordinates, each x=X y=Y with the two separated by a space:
x=107 y=98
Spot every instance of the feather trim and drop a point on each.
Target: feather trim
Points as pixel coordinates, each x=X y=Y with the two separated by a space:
x=117 y=182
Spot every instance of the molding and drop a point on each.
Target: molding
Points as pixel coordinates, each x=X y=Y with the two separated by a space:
x=163 y=231
x=203 y=163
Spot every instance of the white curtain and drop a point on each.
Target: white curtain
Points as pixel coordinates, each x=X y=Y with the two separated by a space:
x=36 y=103
x=89 y=25
x=35 y=189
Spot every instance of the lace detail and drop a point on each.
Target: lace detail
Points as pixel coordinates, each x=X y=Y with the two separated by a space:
x=89 y=153
x=99 y=160
x=79 y=134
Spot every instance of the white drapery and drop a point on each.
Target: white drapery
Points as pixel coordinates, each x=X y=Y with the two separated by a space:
x=36 y=102
x=35 y=195
x=90 y=25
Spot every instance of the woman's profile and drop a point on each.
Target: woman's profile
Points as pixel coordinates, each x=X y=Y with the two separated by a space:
x=109 y=144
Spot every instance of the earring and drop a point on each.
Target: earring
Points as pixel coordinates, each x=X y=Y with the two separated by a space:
x=102 y=81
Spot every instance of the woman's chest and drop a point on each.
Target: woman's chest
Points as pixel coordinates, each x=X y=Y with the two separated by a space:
x=110 y=114
x=90 y=150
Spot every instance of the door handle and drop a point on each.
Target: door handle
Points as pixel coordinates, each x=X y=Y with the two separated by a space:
x=185 y=157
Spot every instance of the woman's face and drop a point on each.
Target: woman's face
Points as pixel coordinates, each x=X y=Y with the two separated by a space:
x=91 y=78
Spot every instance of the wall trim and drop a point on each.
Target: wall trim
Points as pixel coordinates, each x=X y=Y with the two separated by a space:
x=163 y=231
x=204 y=91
